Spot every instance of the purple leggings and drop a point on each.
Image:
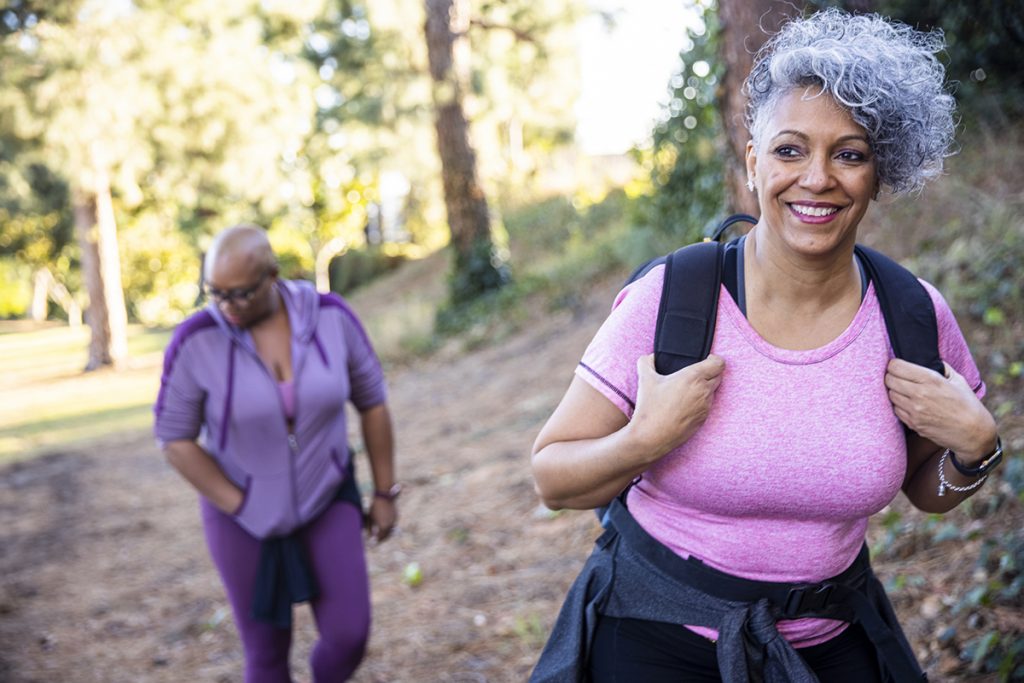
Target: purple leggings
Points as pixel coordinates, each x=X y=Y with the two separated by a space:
x=334 y=544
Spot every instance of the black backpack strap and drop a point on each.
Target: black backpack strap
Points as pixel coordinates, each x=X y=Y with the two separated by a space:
x=689 y=306
x=907 y=308
x=645 y=268
x=716 y=236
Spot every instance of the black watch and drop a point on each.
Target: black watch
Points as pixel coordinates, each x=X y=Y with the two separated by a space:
x=987 y=464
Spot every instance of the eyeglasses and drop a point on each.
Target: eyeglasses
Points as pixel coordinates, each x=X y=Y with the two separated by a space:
x=241 y=296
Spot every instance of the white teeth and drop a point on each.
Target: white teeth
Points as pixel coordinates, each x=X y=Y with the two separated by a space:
x=814 y=210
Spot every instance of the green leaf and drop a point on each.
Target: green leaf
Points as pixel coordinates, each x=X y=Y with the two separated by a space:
x=994 y=317
x=985 y=645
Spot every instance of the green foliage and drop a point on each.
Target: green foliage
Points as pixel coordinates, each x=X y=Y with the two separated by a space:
x=1000 y=568
x=357 y=267
x=161 y=271
x=965 y=235
x=984 y=45
x=484 y=269
x=562 y=249
x=531 y=630
x=208 y=113
x=33 y=224
x=686 y=160
x=985 y=42
x=15 y=292
x=17 y=14
x=967 y=238
x=342 y=41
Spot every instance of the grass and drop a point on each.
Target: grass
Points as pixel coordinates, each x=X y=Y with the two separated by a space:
x=398 y=309
x=47 y=403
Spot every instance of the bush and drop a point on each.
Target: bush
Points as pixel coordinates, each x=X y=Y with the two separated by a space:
x=357 y=267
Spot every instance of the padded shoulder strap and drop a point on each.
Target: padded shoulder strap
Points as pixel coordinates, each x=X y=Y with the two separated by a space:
x=907 y=308
x=689 y=305
x=645 y=268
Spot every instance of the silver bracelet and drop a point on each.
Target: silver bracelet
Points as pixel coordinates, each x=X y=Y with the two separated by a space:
x=944 y=483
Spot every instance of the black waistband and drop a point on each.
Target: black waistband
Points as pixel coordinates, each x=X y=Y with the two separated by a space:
x=792 y=599
x=853 y=595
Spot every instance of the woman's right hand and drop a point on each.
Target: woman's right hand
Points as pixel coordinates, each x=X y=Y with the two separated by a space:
x=589 y=451
x=200 y=469
x=670 y=408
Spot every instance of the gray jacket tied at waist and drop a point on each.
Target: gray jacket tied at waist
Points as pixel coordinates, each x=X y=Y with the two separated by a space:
x=632 y=575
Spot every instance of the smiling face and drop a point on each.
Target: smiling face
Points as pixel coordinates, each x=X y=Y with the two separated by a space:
x=814 y=174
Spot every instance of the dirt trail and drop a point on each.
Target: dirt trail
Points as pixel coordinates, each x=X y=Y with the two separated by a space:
x=105 y=575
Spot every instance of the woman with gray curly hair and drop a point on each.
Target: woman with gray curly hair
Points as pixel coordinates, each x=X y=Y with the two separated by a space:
x=741 y=485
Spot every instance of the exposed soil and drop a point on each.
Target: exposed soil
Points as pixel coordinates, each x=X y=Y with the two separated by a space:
x=104 y=574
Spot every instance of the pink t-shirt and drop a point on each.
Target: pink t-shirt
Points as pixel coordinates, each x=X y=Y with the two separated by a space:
x=800 y=448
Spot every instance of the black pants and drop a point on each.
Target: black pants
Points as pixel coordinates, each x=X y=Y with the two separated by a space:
x=630 y=650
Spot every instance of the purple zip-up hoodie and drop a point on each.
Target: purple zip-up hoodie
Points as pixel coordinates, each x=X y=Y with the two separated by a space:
x=216 y=390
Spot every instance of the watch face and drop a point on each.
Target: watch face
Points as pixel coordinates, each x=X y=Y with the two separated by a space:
x=985 y=466
x=991 y=461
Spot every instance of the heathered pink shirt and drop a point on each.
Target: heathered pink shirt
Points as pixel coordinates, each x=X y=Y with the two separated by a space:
x=800 y=448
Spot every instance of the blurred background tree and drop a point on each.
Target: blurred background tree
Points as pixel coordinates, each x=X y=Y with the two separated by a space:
x=151 y=126
x=148 y=127
x=478 y=266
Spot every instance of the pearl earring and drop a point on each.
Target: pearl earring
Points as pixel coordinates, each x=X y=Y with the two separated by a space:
x=750 y=184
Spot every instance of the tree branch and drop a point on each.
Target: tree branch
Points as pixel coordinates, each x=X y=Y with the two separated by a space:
x=521 y=35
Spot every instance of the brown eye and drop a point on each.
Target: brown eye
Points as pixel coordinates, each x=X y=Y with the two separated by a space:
x=852 y=155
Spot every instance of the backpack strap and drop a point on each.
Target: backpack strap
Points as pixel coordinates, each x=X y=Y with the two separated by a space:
x=689 y=306
x=687 y=310
x=732 y=220
x=907 y=308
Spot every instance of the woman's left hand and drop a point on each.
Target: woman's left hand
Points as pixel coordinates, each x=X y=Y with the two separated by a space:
x=942 y=409
x=382 y=518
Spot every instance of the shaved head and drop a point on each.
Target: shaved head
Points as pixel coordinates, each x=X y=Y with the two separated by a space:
x=238 y=267
x=240 y=248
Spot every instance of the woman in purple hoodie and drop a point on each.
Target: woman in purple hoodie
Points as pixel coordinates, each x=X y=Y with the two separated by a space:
x=251 y=412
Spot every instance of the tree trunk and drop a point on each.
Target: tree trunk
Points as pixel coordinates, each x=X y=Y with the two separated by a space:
x=476 y=268
x=322 y=265
x=96 y=313
x=101 y=271
x=110 y=265
x=745 y=26
x=40 y=288
x=46 y=287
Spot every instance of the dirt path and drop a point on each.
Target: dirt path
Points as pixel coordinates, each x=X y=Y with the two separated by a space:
x=106 y=578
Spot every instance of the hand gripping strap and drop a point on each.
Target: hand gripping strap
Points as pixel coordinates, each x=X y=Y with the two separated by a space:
x=689 y=306
x=907 y=308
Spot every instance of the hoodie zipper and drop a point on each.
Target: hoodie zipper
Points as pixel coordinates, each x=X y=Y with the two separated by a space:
x=293 y=446
x=292 y=439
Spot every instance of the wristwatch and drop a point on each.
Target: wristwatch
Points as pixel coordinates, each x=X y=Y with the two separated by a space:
x=390 y=494
x=986 y=465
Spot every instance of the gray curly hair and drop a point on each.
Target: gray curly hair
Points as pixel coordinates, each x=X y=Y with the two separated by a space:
x=883 y=72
